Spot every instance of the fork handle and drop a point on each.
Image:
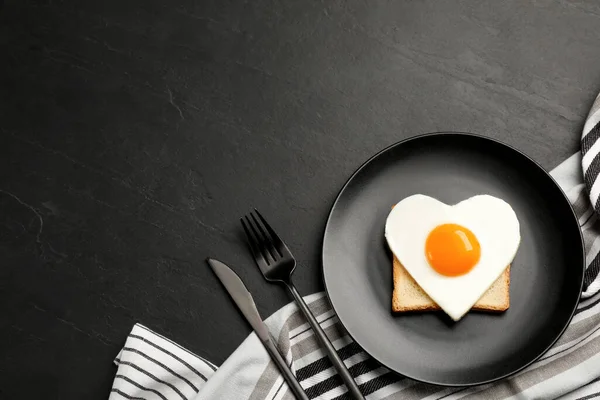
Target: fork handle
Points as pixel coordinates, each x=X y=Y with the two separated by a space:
x=326 y=344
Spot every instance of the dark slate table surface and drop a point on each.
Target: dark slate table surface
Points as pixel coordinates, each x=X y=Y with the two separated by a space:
x=135 y=134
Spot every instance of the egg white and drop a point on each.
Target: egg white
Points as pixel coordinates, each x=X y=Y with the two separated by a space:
x=492 y=221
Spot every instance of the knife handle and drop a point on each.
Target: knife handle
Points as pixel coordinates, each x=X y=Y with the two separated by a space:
x=287 y=373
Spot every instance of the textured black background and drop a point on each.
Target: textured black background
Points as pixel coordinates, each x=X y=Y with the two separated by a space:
x=135 y=133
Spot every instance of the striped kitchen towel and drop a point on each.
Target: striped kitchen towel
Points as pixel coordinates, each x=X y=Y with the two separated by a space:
x=590 y=162
x=152 y=367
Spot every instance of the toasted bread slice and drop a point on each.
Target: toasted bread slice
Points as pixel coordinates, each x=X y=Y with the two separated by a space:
x=408 y=295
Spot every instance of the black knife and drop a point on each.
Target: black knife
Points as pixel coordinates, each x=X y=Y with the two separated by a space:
x=243 y=299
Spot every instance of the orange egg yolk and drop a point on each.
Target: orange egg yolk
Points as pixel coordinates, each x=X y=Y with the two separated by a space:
x=452 y=250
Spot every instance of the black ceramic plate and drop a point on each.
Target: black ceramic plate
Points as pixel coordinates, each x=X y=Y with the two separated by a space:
x=546 y=275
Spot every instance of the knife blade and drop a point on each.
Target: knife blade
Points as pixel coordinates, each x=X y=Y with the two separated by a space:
x=241 y=296
x=243 y=299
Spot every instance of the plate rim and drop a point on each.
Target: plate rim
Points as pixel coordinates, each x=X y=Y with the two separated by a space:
x=477 y=136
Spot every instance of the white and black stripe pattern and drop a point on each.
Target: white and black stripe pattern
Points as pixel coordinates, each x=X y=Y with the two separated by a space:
x=590 y=162
x=151 y=366
x=590 y=151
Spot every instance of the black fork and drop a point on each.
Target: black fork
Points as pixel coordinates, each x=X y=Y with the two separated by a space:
x=277 y=264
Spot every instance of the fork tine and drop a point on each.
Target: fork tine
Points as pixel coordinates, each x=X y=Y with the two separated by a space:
x=281 y=247
x=268 y=241
x=262 y=242
x=256 y=252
